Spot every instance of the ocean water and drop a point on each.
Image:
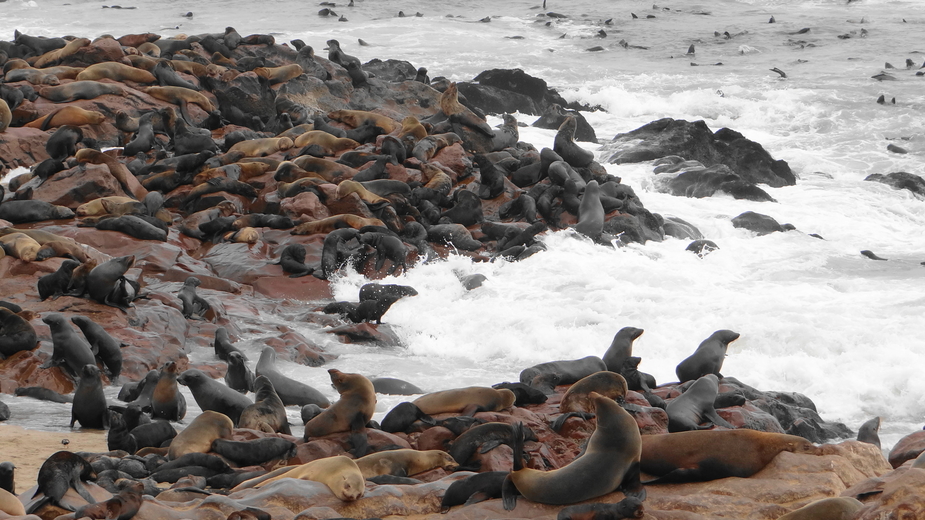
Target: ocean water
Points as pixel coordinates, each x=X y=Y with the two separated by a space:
x=814 y=315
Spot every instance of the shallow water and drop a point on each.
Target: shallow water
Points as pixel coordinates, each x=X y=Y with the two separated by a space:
x=815 y=316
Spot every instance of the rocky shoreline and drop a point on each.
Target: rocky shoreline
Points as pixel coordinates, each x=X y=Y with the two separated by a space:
x=261 y=168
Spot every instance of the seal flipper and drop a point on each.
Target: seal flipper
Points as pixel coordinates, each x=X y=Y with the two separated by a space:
x=631 y=485
x=478 y=496
x=358 y=437
x=82 y=491
x=37 y=504
x=509 y=493
x=560 y=421
x=490 y=445
x=717 y=420
x=680 y=475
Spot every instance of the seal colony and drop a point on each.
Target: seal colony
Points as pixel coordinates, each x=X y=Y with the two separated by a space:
x=218 y=144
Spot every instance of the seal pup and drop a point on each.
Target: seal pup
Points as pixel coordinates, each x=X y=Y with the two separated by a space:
x=621 y=348
x=223 y=346
x=830 y=508
x=199 y=435
x=629 y=507
x=610 y=461
x=61 y=471
x=289 y=390
x=70 y=349
x=167 y=402
x=483 y=438
x=267 y=414
x=292 y=260
x=55 y=284
x=8 y=477
x=104 y=346
x=194 y=306
x=212 y=395
x=695 y=406
x=351 y=412
x=708 y=358
x=474 y=489
x=89 y=407
x=16 y=334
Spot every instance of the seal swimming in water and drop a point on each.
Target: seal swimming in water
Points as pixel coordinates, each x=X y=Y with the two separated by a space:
x=610 y=461
x=708 y=358
x=289 y=390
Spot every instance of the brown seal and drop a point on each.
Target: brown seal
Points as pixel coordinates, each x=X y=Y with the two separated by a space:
x=6 y=116
x=456 y=112
x=357 y=118
x=330 y=143
x=62 y=248
x=97 y=207
x=118 y=170
x=262 y=147
x=21 y=246
x=348 y=186
x=341 y=474
x=831 y=508
x=198 y=436
x=52 y=57
x=11 y=505
x=411 y=126
x=610 y=461
x=329 y=170
x=167 y=402
x=404 y=463
x=462 y=400
x=351 y=412
x=713 y=454
x=267 y=414
x=80 y=90
x=279 y=74
x=117 y=72
x=68 y=115
x=33 y=76
x=608 y=384
x=328 y=224
x=180 y=96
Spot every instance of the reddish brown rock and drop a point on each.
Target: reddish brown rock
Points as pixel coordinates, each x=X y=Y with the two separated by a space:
x=22 y=147
x=436 y=438
x=909 y=447
x=304 y=206
x=292 y=346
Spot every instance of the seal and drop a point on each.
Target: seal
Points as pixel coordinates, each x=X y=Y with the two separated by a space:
x=212 y=395
x=6 y=115
x=223 y=346
x=610 y=462
x=199 y=435
x=194 y=306
x=606 y=383
x=11 y=505
x=106 y=348
x=7 y=477
x=695 y=406
x=702 y=455
x=63 y=143
x=708 y=358
x=78 y=285
x=629 y=507
x=54 y=56
x=61 y=471
x=117 y=72
x=292 y=260
x=262 y=147
x=55 y=284
x=392 y=386
x=457 y=113
x=21 y=246
x=70 y=349
x=180 y=96
x=621 y=348
x=257 y=451
x=465 y=401
x=38 y=392
x=289 y=390
x=239 y=377
x=68 y=115
x=79 y=90
x=831 y=508
x=167 y=402
x=24 y=211
x=267 y=414
x=564 y=144
x=63 y=249
x=483 y=438
x=107 y=284
x=591 y=212
x=404 y=463
x=89 y=408
x=358 y=118
x=351 y=412
x=569 y=371
x=16 y=333
x=341 y=474
x=118 y=170
x=123 y=506
x=869 y=432
x=473 y=489
x=387 y=247
x=133 y=226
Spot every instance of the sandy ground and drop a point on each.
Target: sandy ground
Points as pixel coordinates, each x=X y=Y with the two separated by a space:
x=28 y=449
